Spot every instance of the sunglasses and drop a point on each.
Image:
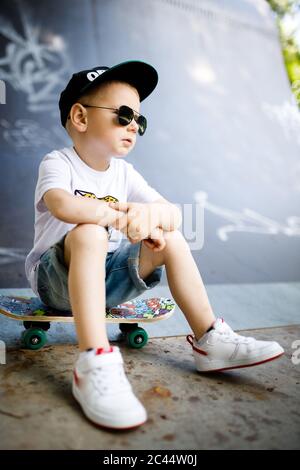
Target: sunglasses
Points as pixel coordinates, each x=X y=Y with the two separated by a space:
x=125 y=116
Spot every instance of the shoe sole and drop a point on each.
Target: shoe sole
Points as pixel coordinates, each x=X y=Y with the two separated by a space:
x=87 y=413
x=112 y=428
x=240 y=366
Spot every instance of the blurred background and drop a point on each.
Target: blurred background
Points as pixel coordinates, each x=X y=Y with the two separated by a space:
x=223 y=122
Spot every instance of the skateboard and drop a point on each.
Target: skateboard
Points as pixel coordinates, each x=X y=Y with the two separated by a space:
x=37 y=317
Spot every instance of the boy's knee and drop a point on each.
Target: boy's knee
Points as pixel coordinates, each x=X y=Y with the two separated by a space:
x=175 y=241
x=88 y=234
x=173 y=236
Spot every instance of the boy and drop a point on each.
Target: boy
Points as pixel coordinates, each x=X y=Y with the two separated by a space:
x=85 y=201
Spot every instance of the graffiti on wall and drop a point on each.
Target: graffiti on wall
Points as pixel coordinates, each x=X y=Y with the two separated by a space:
x=35 y=63
x=248 y=221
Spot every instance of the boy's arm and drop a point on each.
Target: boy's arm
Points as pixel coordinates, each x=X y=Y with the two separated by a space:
x=79 y=210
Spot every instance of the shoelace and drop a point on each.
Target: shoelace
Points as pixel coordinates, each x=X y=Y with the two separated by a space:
x=106 y=378
x=229 y=334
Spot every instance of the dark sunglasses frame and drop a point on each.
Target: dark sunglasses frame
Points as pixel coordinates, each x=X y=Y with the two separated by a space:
x=125 y=116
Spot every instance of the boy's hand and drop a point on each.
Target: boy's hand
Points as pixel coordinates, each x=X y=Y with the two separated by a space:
x=142 y=220
x=111 y=216
x=157 y=241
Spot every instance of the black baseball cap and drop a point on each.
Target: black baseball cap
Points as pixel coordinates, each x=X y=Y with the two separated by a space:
x=139 y=74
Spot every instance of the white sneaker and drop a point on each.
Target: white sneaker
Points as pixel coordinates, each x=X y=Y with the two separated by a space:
x=104 y=393
x=222 y=349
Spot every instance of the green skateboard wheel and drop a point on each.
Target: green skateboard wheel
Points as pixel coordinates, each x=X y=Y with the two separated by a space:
x=34 y=338
x=137 y=338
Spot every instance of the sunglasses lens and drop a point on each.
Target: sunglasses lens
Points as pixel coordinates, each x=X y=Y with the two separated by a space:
x=126 y=115
x=142 y=122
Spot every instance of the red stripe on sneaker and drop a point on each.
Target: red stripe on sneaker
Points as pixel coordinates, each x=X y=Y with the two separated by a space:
x=76 y=378
x=103 y=350
x=245 y=365
x=190 y=340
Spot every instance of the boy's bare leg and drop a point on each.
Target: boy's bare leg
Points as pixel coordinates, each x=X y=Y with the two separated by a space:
x=184 y=280
x=85 y=253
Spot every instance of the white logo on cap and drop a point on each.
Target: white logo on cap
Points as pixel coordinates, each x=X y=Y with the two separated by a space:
x=94 y=74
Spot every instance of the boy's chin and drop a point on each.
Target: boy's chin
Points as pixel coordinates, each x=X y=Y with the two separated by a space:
x=122 y=153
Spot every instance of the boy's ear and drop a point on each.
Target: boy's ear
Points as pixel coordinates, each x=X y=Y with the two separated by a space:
x=78 y=117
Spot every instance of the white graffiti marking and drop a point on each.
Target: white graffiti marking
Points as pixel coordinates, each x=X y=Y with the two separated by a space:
x=28 y=133
x=248 y=221
x=35 y=63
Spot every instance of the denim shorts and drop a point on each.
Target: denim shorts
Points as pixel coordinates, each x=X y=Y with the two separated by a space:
x=122 y=278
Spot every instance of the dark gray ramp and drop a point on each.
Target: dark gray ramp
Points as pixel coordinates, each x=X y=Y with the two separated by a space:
x=223 y=127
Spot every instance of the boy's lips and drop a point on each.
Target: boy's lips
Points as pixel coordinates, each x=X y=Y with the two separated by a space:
x=127 y=139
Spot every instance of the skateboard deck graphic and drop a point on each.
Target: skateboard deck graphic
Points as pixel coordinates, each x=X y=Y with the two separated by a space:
x=37 y=316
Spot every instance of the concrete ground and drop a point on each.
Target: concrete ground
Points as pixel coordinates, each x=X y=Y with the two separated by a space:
x=252 y=408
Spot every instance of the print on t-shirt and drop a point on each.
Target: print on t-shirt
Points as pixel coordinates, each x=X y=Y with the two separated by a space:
x=80 y=192
x=93 y=196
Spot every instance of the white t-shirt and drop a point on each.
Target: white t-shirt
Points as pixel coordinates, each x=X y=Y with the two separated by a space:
x=64 y=169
